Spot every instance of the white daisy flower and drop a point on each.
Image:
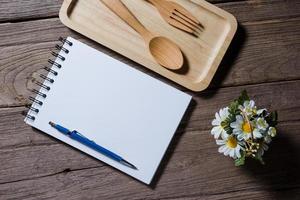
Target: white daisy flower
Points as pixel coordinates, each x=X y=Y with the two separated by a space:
x=272 y=132
x=261 y=124
x=248 y=107
x=230 y=146
x=243 y=129
x=257 y=133
x=218 y=129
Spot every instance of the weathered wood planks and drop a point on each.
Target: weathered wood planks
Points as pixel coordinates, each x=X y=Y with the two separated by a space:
x=264 y=59
x=15 y=10
x=253 y=10
x=272 y=54
x=192 y=168
x=36 y=31
x=275 y=96
x=37 y=154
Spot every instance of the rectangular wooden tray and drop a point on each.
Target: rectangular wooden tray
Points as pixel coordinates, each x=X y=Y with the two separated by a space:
x=202 y=55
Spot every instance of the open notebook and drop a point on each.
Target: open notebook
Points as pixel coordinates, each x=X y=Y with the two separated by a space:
x=118 y=107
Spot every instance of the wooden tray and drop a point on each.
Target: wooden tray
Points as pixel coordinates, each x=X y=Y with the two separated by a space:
x=202 y=55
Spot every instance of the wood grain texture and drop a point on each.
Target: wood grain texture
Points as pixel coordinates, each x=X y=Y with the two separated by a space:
x=15 y=10
x=202 y=55
x=264 y=59
x=164 y=51
x=45 y=30
x=258 y=10
x=272 y=54
x=280 y=96
x=44 y=168
x=170 y=11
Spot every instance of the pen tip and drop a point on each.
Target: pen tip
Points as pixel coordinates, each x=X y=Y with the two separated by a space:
x=52 y=124
x=129 y=164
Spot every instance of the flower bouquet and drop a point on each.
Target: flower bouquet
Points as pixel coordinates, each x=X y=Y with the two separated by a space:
x=244 y=131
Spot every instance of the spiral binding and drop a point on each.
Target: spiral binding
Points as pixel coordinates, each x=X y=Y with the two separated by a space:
x=46 y=79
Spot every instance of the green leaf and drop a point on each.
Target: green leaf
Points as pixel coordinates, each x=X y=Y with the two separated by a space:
x=243 y=97
x=228 y=130
x=233 y=107
x=260 y=159
x=272 y=119
x=240 y=161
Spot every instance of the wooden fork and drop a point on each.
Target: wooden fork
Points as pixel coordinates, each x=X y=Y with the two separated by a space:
x=178 y=16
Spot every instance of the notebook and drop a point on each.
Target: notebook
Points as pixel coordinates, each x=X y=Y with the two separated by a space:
x=111 y=103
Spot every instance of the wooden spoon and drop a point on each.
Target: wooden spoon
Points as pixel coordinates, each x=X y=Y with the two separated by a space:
x=164 y=51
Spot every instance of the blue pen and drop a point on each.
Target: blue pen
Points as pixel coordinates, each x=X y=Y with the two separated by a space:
x=89 y=143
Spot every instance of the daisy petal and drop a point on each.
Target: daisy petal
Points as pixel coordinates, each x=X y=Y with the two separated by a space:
x=260 y=111
x=221 y=112
x=257 y=134
x=218 y=117
x=215 y=122
x=222 y=149
x=231 y=153
x=220 y=142
x=240 y=137
x=224 y=113
x=234 y=125
x=237 y=152
x=215 y=130
x=239 y=119
x=227 y=151
x=252 y=103
x=224 y=134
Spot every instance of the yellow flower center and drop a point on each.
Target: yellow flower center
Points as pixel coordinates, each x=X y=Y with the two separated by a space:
x=231 y=142
x=246 y=127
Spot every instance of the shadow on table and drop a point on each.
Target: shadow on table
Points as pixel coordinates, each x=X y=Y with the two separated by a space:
x=229 y=59
x=223 y=70
x=173 y=144
x=280 y=175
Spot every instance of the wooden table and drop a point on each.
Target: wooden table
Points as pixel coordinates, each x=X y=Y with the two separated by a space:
x=264 y=58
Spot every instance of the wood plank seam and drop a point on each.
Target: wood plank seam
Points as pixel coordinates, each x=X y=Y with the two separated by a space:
x=21 y=20
x=255 y=186
x=297 y=18
x=54 y=142
x=229 y=3
x=213 y=89
x=40 y=16
x=54 y=41
x=292 y=18
x=54 y=174
x=62 y=170
x=194 y=94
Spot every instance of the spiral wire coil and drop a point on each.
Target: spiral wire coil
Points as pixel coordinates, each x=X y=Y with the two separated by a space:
x=46 y=88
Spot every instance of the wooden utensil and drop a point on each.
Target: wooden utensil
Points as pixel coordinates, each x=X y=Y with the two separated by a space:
x=202 y=56
x=164 y=51
x=178 y=16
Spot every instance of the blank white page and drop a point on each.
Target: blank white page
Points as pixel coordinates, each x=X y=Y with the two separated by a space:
x=116 y=106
